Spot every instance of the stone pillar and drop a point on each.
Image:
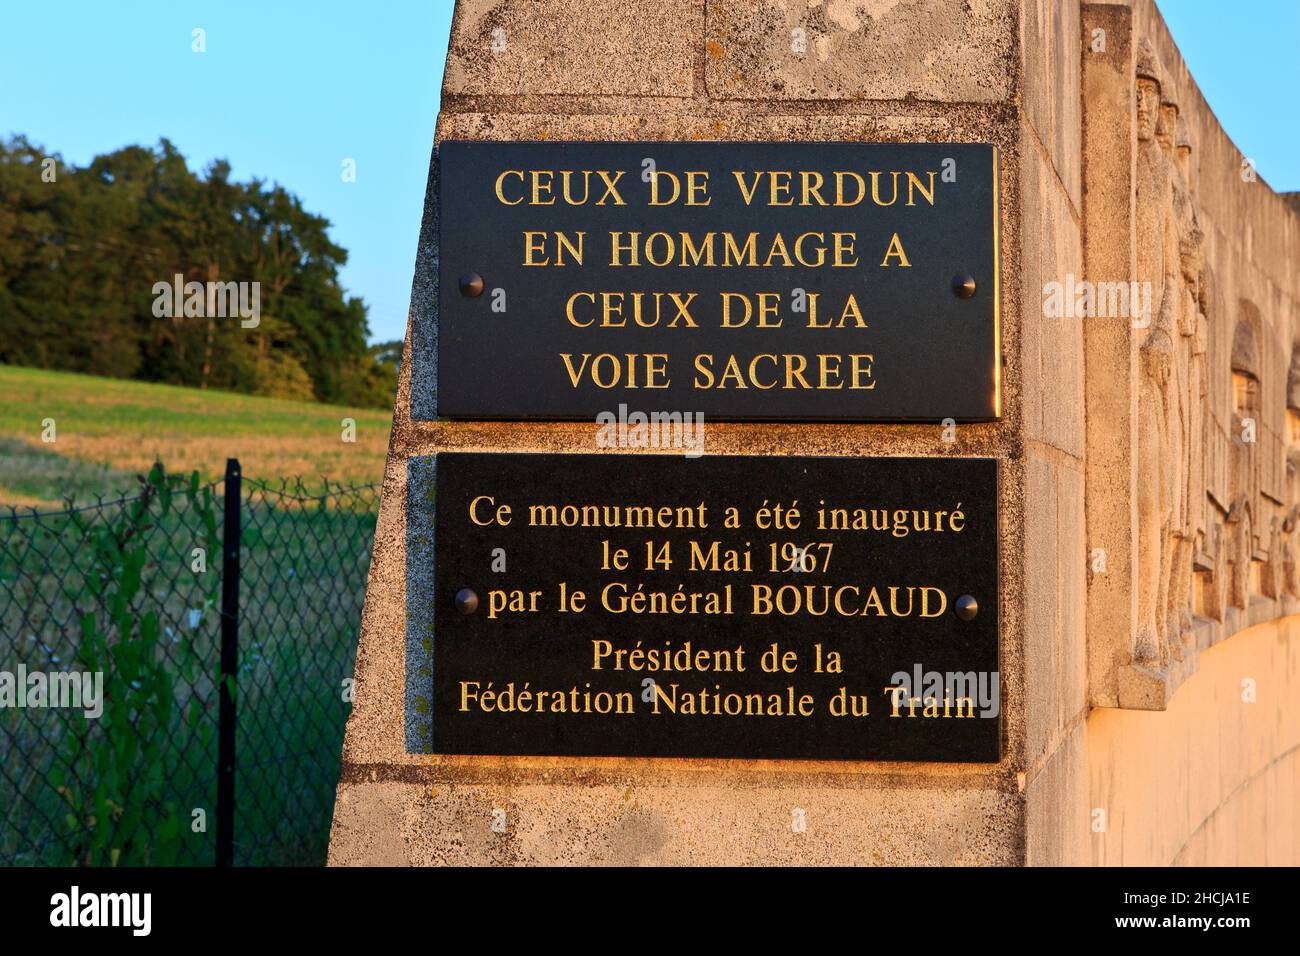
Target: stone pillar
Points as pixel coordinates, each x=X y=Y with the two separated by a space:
x=1110 y=353
x=1024 y=76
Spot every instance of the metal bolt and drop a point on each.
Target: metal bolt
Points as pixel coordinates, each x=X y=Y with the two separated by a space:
x=963 y=285
x=471 y=285
x=466 y=601
x=966 y=607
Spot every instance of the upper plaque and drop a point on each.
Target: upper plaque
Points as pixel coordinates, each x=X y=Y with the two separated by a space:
x=762 y=281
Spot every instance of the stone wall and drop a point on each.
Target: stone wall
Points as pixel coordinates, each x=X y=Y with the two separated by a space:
x=1191 y=482
x=1018 y=74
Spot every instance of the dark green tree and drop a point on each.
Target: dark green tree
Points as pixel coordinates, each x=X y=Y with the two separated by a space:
x=82 y=251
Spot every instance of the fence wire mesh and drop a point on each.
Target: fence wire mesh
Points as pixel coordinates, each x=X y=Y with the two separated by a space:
x=130 y=589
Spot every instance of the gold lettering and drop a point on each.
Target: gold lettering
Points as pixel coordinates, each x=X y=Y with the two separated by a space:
x=927 y=193
x=747 y=194
x=895 y=249
x=654 y=189
x=542 y=186
x=694 y=184
x=568 y=309
x=611 y=187
x=839 y=189
x=812 y=184
x=501 y=180
x=875 y=189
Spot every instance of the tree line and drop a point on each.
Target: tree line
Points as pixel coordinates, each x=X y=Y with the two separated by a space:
x=84 y=251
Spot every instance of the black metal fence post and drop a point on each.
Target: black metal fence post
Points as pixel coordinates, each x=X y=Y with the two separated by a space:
x=229 y=667
x=293 y=564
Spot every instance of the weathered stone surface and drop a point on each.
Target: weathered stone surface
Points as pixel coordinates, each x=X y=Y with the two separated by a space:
x=1053 y=380
x=629 y=819
x=1110 y=372
x=521 y=47
x=1051 y=33
x=846 y=50
x=1059 y=813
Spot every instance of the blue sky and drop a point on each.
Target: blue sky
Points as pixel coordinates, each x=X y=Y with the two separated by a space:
x=287 y=90
x=1242 y=54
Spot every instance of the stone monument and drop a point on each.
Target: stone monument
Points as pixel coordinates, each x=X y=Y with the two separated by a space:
x=834 y=433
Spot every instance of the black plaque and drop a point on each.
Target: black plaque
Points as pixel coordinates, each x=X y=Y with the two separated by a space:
x=896 y=274
x=896 y=599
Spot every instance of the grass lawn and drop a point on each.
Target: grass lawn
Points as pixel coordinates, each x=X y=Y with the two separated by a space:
x=302 y=584
x=108 y=430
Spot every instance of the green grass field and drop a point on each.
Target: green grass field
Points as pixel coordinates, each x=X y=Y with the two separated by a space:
x=106 y=431
x=302 y=584
x=301 y=588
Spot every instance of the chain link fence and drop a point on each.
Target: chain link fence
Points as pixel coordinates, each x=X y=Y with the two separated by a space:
x=135 y=594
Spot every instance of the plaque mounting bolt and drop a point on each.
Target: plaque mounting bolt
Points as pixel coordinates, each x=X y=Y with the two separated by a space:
x=471 y=285
x=966 y=607
x=963 y=285
x=466 y=601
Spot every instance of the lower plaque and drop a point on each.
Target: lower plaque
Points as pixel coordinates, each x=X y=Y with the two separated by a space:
x=662 y=606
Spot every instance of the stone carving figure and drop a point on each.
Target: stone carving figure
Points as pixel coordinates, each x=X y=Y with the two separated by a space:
x=1290 y=575
x=1245 y=363
x=1241 y=540
x=1159 y=446
x=1188 y=389
x=1213 y=509
x=1291 y=521
x=1270 y=572
x=1215 y=592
